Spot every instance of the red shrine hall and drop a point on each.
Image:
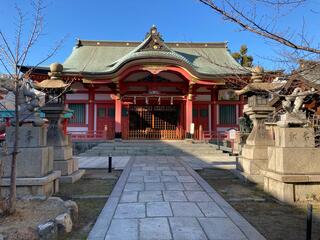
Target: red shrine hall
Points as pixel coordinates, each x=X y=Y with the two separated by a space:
x=151 y=89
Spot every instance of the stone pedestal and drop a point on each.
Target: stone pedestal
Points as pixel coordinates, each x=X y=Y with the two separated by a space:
x=254 y=156
x=34 y=170
x=293 y=172
x=64 y=161
x=239 y=141
x=61 y=144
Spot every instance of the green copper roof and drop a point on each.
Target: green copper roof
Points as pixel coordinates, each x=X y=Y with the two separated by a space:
x=103 y=57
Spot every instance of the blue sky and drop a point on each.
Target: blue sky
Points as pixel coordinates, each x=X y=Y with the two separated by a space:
x=177 y=20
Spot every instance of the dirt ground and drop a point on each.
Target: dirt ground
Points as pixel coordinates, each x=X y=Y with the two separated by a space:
x=90 y=193
x=274 y=220
x=30 y=214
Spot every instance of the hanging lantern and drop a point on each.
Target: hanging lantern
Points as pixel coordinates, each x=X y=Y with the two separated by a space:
x=147 y=101
x=134 y=100
x=159 y=100
x=171 y=101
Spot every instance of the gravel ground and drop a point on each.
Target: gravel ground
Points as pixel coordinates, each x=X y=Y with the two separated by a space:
x=275 y=220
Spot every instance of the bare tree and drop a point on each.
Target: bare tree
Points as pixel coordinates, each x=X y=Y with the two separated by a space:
x=294 y=44
x=256 y=16
x=12 y=58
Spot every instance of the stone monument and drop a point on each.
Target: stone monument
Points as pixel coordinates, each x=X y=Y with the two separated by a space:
x=254 y=157
x=293 y=172
x=54 y=111
x=34 y=169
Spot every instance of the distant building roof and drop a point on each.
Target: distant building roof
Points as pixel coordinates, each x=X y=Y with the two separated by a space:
x=310 y=71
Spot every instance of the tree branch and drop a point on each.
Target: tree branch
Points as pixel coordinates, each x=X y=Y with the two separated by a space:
x=251 y=25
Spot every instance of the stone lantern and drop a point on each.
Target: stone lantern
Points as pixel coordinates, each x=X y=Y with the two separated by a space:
x=254 y=156
x=54 y=110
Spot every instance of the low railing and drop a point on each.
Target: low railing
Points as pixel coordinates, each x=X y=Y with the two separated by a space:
x=176 y=134
x=88 y=135
x=214 y=135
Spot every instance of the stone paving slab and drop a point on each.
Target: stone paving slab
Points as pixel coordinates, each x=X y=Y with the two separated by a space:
x=154 y=229
x=159 y=209
x=186 y=209
x=221 y=228
x=162 y=197
x=186 y=228
x=130 y=210
x=129 y=196
x=129 y=229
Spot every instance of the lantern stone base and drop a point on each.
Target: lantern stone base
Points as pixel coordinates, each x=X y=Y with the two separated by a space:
x=64 y=162
x=62 y=152
x=42 y=187
x=69 y=168
x=73 y=177
x=292 y=188
x=252 y=161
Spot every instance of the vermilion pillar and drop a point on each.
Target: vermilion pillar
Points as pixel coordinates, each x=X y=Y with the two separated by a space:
x=91 y=110
x=118 y=117
x=188 y=114
x=214 y=110
x=214 y=116
x=241 y=106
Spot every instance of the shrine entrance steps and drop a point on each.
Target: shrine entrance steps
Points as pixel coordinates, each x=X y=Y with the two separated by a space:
x=197 y=155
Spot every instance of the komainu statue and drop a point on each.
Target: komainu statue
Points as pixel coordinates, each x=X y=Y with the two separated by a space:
x=28 y=101
x=292 y=104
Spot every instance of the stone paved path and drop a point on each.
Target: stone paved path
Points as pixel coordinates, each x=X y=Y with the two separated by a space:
x=96 y=162
x=163 y=198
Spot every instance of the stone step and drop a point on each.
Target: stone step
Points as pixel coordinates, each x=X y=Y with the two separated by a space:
x=155 y=152
x=158 y=148
x=155 y=147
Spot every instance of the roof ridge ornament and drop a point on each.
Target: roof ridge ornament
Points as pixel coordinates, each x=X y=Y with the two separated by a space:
x=154 y=41
x=78 y=43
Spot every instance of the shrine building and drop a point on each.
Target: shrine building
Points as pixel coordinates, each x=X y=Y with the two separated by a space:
x=151 y=89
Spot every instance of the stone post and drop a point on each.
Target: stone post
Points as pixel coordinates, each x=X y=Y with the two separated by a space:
x=62 y=144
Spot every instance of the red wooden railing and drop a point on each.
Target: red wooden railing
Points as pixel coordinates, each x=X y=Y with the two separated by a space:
x=176 y=134
x=211 y=135
x=88 y=135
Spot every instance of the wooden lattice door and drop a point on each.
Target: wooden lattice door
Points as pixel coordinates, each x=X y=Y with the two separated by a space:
x=154 y=122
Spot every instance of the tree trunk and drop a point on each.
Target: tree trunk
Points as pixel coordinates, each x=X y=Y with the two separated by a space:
x=1 y=174
x=13 y=187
